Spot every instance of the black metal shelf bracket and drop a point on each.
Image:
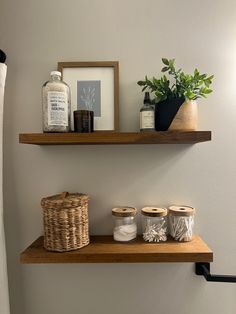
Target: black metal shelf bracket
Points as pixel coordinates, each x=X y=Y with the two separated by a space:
x=203 y=269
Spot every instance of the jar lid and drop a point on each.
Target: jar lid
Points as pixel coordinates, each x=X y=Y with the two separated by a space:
x=152 y=211
x=179 y=210
x=64 y=200
x=124 y=211
x=55 y=73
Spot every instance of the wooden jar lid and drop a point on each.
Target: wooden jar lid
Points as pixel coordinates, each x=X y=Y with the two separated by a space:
x=179 y=210
x=154 y=211
x=125 y=211
x=64 y=200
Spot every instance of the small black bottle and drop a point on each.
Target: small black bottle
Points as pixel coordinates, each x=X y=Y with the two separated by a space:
x=147 y=114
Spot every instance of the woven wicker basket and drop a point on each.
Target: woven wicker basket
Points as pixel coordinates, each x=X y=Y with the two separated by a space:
x=65 y=219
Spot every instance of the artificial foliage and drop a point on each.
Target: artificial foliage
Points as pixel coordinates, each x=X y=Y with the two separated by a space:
x=178 y=84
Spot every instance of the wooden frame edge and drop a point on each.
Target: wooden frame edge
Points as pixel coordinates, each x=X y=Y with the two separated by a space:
x=111 y=64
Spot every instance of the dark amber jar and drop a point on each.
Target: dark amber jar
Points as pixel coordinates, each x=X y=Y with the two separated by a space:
x=83 y=121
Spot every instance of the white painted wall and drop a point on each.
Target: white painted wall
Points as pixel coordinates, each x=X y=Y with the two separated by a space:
x=38 y=34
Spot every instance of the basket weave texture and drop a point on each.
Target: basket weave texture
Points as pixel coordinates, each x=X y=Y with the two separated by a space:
x=65 y=218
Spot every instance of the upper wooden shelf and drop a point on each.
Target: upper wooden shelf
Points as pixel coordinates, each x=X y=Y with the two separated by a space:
x=106 y=138
x=103 y=249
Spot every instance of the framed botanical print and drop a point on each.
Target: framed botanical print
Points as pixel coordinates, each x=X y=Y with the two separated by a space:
x=94 y=86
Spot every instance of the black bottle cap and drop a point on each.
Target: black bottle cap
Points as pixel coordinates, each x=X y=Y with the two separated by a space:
x=147 y=99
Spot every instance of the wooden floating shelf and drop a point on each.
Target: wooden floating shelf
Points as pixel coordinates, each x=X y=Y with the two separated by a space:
x=109 y=138
x=103 y=249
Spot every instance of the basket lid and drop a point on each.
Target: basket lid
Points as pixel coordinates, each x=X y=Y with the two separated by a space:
x=181 y=210
x=152 y=211
x=63 y=200
x=124 y=211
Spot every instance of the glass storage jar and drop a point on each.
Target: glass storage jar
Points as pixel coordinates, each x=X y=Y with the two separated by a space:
x=154 y=224
x=56 y=104
x=181 y=222
x=125 y=226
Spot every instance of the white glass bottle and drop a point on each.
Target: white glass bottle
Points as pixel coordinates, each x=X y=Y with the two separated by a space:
x=56 y=104
x=147 y=115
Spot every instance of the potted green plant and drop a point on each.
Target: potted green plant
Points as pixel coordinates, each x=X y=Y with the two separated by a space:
x=175 y=100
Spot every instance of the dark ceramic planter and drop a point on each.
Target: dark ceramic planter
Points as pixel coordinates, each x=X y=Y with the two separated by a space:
x=165 y=112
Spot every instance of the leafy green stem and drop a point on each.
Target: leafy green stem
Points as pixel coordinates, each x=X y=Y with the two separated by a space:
x=189 y=86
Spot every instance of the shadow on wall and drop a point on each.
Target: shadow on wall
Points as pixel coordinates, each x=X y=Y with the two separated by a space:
x=111 y=175
x=85 y=280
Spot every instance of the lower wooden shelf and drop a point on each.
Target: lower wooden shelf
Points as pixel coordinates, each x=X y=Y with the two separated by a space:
x=103 y=249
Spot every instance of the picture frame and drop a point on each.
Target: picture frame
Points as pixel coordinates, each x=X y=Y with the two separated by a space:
x=94 y=86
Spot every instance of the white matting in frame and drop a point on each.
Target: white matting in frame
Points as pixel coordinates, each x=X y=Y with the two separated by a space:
x=105 y=75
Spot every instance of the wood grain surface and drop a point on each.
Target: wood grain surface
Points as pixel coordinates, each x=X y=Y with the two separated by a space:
x=109 y=138
x=103 y=249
